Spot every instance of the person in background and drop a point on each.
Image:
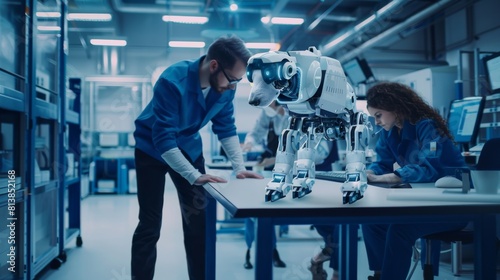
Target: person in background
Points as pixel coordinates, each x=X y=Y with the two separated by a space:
x=329 y=233
x=271 y=122
x=329 y=252
x=266 y=131
x=187 y=95
x=416 y=138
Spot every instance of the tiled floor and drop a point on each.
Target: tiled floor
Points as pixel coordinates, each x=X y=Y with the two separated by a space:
x=108 y=222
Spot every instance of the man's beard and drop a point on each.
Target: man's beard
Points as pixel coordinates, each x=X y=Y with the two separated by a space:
x=214 y=84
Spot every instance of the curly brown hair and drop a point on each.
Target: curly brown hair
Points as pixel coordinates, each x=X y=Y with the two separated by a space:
x=405 y=103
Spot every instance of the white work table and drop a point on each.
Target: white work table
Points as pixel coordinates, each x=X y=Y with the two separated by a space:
x=245 y=198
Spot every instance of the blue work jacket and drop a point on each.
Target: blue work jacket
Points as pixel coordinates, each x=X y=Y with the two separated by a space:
x=421 y=152
x=179 y=110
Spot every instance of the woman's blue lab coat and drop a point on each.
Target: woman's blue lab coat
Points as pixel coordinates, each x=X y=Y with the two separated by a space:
x=421 y=152
x=423 y=156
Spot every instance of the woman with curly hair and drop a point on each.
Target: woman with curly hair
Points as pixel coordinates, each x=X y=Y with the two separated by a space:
x=415 y=146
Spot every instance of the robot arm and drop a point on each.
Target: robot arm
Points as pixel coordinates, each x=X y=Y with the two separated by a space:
x=321 y=103
x=357 y=142
x=281 y=182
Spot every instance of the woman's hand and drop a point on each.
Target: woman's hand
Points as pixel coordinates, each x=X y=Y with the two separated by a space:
x=384 y=178
x=267 y=162
x=248 y=174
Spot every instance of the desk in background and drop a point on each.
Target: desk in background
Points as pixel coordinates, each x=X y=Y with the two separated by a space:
x=226 y=165
x=110 y=171
x=244 y=198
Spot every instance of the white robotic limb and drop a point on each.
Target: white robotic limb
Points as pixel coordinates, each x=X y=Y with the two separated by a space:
x=294 y=168
x=281 y=182
x=357 y=142
x=321 y=103
x=304 y=165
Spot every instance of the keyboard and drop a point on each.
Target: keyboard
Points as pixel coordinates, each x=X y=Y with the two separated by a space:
x=336 y=176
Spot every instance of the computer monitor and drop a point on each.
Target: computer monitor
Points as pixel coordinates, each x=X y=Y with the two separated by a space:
x=464 y=119
x=357 y=70
x=492 y=68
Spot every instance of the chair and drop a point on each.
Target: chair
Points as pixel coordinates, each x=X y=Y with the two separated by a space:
x=487 y=161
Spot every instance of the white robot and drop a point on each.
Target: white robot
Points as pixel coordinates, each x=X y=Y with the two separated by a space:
x=321 y=104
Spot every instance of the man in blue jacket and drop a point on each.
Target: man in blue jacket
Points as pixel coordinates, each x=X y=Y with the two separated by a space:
x=187 y=95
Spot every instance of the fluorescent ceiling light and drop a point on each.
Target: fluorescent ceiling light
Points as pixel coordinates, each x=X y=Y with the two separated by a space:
x=48 y=28
x=186 y=44
x=48 y=14
x=108 y=42
x=282 y=20
x=269 y=46
x=364 y=22
x=186 y=19
x=387 y=7
x=338 y=39
x=89 y=17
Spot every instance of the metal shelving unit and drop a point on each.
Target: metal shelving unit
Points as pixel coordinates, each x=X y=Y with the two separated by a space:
x=490 y=122
x=43 y=166
x=39 y=141
x=13 y=146
x=70 y=194
x=12 y=195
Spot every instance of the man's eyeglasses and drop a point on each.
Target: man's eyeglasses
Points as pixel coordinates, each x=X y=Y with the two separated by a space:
x=231 y=81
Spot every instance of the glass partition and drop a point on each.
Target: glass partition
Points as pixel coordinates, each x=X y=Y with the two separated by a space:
x=45 y=154
x=48 y=24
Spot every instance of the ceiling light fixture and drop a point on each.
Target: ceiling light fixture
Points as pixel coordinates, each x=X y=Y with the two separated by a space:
x=364 y=22
x=186 y=44
x=185 y=19
x=282 y=20
x=233 y=7
x=89 y=17
x=108 y=42
x=48 y=28
x=387 y=7
x=269 y=46
x=48 y=14
x=339 y=39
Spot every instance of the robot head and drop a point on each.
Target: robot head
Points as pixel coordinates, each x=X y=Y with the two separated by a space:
x=269 y=73
x=262 y=93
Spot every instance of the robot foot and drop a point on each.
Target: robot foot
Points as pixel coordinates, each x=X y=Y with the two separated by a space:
x=299 y=192
x=351 y=197
x=272 y=195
